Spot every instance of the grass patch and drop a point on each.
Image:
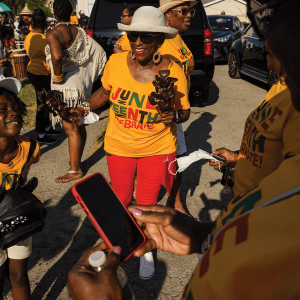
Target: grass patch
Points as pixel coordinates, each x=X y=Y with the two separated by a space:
x=27 y=95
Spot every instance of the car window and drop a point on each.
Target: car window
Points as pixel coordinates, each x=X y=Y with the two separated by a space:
x=110 y=11
x=220 y=23
x=250 y=32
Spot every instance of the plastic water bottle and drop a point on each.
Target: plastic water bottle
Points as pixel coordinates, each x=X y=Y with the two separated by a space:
x=97 y=260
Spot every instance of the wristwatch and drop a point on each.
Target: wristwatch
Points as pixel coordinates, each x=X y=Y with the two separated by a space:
x=176 y=117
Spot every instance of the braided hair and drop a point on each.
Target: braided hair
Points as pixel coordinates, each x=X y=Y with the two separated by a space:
x=63 y=9
x=21 y=104
x=39 y=19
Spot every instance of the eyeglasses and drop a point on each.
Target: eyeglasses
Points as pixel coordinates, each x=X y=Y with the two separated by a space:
x=146 y=38
x=124 y=16
x=186 y=11
x=261 y=16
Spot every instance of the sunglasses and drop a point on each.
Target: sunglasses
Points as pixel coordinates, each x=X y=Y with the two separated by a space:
x=186 y=11
x=261 y=16
x=146 y=38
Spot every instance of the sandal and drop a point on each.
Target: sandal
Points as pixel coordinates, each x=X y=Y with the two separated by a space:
x=57 y=180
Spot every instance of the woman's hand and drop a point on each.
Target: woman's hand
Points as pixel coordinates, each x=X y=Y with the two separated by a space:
x=85 y=283
x=231 y=158
x=169 y=230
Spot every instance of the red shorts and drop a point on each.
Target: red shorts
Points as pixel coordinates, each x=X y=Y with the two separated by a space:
x=7 y=41
x=149 y=170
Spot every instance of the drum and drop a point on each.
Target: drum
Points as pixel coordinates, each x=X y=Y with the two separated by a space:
x=12 y=57
x=20 y=62
x=20 y=44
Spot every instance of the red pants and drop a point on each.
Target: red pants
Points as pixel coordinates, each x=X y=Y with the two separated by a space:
x=150 y=171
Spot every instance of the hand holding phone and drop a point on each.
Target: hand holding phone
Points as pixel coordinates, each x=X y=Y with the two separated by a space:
x=108 y=214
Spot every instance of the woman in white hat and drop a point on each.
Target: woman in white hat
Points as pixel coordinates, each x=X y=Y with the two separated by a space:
x=138 y=139
x=178 y=15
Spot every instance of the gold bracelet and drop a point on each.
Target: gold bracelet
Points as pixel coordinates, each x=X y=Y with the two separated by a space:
x=59 y=78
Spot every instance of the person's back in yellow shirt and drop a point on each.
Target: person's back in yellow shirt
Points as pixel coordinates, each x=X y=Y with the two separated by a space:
x=35 y=44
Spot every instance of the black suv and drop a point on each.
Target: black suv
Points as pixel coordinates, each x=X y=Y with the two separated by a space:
x=103 y=28
x=248 y=57
x=225 y=29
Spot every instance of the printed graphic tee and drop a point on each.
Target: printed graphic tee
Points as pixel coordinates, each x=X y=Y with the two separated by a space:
x=256 y=256
x=271 y=134
x=123 y=43
x=132 y=131
x=175 y=49
x=16 y=165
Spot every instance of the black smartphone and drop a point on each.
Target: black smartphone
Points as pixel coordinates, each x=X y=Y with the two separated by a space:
x=108 y=214
x=7 y=55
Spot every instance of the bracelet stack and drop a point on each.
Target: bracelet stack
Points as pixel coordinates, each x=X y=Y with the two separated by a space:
x=86 y=108
x=59 y=78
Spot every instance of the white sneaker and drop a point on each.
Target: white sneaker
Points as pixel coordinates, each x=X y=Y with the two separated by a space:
x=147 y=269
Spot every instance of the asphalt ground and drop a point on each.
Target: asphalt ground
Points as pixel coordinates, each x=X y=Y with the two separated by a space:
x=68 y=232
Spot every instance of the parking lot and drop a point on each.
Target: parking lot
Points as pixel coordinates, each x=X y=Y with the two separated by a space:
x=68 y=232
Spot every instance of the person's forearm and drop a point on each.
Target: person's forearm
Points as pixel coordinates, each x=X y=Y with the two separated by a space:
x=99 y=98
x=201 y=232
x=57 y=65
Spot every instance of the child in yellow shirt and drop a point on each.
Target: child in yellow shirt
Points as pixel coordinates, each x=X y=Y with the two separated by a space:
x=14 y=152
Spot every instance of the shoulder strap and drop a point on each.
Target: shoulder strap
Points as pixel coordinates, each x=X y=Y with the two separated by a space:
x=24 y=170
x=211 y=238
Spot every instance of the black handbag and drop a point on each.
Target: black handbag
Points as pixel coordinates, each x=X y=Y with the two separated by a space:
x=21 y=213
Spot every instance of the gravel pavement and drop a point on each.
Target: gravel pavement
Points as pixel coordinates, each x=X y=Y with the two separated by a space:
x=68 y=232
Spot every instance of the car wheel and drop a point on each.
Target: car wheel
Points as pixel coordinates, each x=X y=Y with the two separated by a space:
x=203 y=98
x=234 y=65
x=273 y=77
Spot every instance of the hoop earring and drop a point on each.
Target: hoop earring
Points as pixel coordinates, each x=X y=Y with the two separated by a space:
x=156 y=57
x=132 y=55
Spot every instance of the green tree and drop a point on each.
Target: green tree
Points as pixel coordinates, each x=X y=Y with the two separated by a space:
x=17 y=6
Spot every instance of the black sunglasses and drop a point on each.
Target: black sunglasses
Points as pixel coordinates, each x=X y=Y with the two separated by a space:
x=261 y=15
x=146 y=38
x=185 y=11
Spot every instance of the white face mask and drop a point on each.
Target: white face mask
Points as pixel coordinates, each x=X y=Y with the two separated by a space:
x=185 y=161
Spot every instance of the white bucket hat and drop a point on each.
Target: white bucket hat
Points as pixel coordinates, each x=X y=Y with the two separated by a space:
x=149 y=19
x=10 y=84
x=165 y=5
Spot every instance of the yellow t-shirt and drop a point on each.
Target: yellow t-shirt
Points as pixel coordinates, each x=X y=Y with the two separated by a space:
x=123 y=43
x=131 y=131
x=74 y=20
x=271 y=134
x=35 y=44
x=175 y=49
x=256 y=256
x=16 y=165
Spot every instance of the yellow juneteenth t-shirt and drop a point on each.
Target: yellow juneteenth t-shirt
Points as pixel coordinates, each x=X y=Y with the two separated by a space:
x=74 y=20
x=131 y=131
x=271 y=134
x=35 y=44
x=256 y=256
x=175 y=49
x=123 y=43
x=16 y=165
